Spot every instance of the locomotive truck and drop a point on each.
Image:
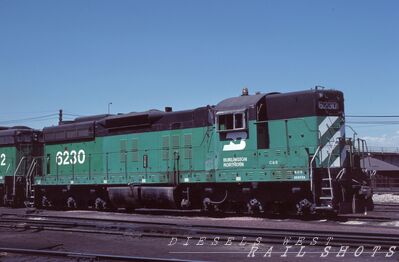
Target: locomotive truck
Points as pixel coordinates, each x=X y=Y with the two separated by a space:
x=256 y=153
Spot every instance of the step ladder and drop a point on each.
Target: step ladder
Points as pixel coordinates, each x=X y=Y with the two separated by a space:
x=326 y=188
x=10 y=197
x=30 y=201
x=30 y=190
x=326 y=193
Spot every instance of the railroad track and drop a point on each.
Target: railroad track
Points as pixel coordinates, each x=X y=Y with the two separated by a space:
x=168 y=230
x=381 y=213
x=386 y=208
x=40 y=223
x=386 y=205
x=77 y=256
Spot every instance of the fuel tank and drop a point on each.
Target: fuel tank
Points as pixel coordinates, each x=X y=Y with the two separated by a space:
x=143 y=196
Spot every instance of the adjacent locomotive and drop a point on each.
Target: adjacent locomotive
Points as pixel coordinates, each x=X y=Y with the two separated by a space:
x=20 y=149
x=253 y=153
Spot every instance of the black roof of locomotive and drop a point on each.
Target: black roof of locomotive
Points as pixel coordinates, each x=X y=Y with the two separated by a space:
x=18 y=134
x=70 y=131
x=239 y=102
x=82 y=128
x=133 y=118
x=247 y=101
x=282 y=105
x=153 y=120
x=302 y=103
x=86 y=128
x=91 y=118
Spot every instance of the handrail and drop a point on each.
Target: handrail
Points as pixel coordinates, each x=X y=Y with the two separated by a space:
x=29 y=177
x=30 y=167
x=354 y=132
x=15 y=173
x=8 y=167
x=340 y=173
x=367 y=153
x=311 y=168
x=328 y=165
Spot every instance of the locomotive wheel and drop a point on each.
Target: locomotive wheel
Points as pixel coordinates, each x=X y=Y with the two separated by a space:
x=254 y=207
x=215 y=201
x=4 y=200
x=10 y=202
x=71 y=203
x=100 y=204
x=214 y=210
x=304 y=207
x=45 y=203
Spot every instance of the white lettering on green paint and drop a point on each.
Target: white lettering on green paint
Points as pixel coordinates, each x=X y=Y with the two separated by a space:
x=70 y=158
x=234 y=161
x=3 y=159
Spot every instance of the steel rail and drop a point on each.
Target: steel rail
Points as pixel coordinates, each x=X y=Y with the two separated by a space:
x=75 y=255
x=151 y=223
x=163 y=230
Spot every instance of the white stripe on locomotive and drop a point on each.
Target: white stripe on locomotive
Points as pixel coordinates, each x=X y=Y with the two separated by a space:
x=333 y=142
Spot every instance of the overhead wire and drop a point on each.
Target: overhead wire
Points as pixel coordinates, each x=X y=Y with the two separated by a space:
x=70 y=114
x=37 y=118
x=374 y=116
x=372 y=120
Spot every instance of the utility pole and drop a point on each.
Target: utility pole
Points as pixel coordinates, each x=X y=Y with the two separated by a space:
x=60 y=117
x=109 y=107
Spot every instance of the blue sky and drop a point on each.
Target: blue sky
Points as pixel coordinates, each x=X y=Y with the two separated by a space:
x=81 y=55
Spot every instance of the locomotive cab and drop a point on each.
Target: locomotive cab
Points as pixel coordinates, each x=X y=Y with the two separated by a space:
x=281 y=151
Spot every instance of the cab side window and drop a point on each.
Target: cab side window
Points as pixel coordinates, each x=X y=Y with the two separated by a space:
x=231 y=121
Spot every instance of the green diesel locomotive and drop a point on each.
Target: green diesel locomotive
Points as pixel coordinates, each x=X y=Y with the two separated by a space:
x=20 y=149
x=256 y=153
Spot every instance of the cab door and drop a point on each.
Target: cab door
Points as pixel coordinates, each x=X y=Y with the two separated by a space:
x=175 y=157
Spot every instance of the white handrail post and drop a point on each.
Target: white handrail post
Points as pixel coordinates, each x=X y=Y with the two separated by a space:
x=311 y=168
x=15 y=174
